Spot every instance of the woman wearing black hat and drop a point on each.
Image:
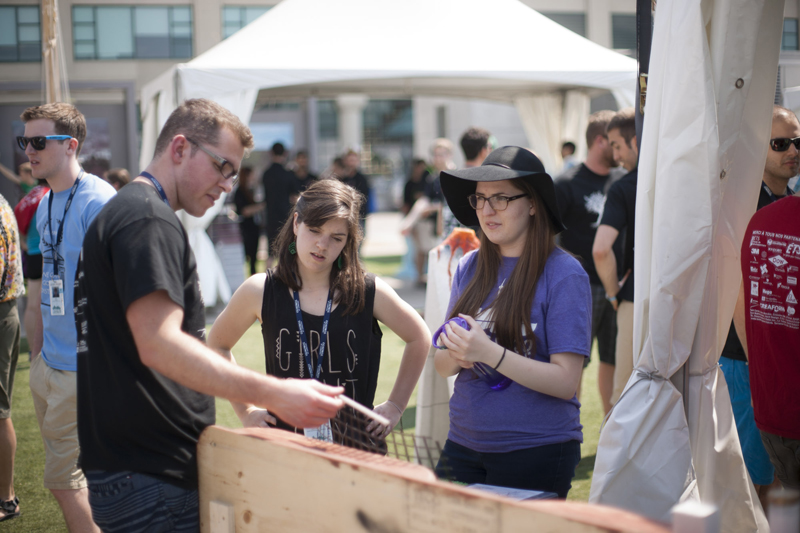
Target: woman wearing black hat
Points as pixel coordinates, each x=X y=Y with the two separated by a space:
x=514 y=418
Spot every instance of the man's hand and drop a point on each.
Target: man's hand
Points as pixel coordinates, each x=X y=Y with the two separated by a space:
x=306 y=403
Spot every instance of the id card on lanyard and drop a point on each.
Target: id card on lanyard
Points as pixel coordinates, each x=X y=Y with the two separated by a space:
x=56 y=286
x=323 y=432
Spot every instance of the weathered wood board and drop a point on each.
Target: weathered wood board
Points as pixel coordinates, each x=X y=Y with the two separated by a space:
x=272 y=480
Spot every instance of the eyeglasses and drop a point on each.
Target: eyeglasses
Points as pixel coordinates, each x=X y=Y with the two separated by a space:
x=226 y=168
x=39 y=142
x=498 y=203
x=782 y=144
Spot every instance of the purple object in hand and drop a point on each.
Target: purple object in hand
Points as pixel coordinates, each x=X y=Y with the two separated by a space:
x=489 y=375
x=455 y=320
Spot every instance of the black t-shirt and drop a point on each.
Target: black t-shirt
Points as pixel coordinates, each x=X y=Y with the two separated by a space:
x=301 y=185
x=733 y=348
x=352 y=352
x=241 y=199
x=620 y=213
x=130 y=417
x=413 y=191
x=279 y=186
x=581 y=195
x=359 y=182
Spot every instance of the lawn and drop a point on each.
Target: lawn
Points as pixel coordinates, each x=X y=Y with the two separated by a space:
x=41 y=513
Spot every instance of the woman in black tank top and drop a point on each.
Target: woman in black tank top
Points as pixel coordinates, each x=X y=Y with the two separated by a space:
x=319 y=310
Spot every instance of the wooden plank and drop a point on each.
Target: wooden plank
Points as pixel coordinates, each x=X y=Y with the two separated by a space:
x=278 y=481
x=221 y=517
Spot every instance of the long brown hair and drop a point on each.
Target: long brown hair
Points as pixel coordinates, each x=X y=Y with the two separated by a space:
x=511 y=309
x=325 y=200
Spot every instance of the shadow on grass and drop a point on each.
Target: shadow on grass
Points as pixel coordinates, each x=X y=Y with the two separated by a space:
x=585 y=467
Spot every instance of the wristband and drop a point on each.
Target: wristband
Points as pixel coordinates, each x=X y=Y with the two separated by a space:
x=501 y=359
x=395 y=406
x=612 y=299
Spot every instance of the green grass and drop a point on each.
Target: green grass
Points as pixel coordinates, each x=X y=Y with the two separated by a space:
x=40 y=512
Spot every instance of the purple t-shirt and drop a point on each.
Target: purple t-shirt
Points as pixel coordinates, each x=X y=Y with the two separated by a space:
x=517 y=417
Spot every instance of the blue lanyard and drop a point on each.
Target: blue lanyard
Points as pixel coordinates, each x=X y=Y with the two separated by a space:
x=60 y=233
x=157 y=185
x=304 y=339
x=772 y=196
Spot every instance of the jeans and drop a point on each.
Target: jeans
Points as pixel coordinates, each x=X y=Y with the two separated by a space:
x=130 y=502
x=548 y=468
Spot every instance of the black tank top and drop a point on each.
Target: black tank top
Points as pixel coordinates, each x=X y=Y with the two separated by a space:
x=353 y=349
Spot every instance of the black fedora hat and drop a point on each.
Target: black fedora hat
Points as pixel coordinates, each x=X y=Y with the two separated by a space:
x=506 y=163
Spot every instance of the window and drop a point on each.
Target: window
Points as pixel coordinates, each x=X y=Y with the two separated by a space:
x=575 y=22
x=132 y=32
x=234 y=18
x=328 y=117
x=789 y=41
x=623 y=32
x=20 y=34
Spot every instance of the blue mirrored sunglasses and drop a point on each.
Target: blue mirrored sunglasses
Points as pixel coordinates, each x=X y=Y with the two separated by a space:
x=39 y=142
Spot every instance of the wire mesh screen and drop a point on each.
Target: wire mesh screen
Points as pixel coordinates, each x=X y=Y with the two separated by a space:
x=355 y=426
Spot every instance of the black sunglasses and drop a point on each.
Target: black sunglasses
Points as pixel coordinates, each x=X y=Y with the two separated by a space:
x=39 y=142
x=781 y=144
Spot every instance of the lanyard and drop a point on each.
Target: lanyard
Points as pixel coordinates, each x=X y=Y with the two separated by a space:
x=157 y=185
x=304 y=339
x=60 y=233
x=772 y=196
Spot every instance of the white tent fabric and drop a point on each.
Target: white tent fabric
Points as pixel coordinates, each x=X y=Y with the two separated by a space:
x=707 y=123
x=548 y=119
x=388 y=48
x=214 y=285
x=385 y=48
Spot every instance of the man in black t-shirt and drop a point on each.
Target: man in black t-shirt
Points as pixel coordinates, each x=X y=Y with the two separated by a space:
x=581 y=194
x=354 y=178
x=280 y=186
x=618 y=220
x=146 y=379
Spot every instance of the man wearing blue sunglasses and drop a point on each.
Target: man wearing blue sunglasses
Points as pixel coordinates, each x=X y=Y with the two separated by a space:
x=54 y=135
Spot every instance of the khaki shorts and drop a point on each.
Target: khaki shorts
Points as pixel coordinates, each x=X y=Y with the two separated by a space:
x=624 y=357
x=9 y=353
x=55 y=395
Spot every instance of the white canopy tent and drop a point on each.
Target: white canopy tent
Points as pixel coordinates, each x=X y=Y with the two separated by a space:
x=704 y=144
x=493 y=49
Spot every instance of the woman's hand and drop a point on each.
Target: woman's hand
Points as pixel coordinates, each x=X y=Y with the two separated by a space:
x=467 y=347
x=255 y=417
x=388 y=411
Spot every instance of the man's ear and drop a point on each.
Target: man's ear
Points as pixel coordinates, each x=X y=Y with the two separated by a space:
x=178 y=148
x=635 y=146
x=72 y=146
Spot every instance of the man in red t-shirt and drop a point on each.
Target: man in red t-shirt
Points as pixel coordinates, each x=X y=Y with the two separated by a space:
x=770 y=269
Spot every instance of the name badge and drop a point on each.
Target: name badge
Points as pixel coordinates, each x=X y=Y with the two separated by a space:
x=56 y=297
x=323 y=432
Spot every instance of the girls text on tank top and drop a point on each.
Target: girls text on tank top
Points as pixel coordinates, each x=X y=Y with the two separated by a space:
x=353 y=347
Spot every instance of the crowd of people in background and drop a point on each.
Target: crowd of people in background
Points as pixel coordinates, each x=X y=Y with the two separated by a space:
x=123 y=379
